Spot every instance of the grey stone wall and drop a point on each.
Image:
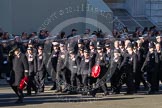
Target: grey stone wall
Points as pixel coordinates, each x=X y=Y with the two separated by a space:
x=53 y=15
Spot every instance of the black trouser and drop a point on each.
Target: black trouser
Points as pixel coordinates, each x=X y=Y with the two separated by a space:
x=67 y=76
x=18 y=92
x=158 y=75
x=79 y=80
x=31 y=84
x=60 y=79
x=40 y=78
x=85 y=82
x=85 y=79
x=92 y=81
x=1 y=71
x=53 y=76
x=73 y=79
x=101 y=84
x=128 y=78
x=152 y=79
x=138 y=79
x=115 y=81
x=100 y=80
x=130 y=82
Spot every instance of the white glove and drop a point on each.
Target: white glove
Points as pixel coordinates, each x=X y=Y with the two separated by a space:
x=5 y=62
x=8 y=78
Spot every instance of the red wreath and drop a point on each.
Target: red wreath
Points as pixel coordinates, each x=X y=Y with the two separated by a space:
x=96 y=71
x=23 y=83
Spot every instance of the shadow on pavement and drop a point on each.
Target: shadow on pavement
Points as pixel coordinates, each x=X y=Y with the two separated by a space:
x=8 y=100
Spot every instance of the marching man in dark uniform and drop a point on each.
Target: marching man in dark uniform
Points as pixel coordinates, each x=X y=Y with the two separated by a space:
x=86 y=66
x=53 y=60
x=41 y=69
x=159 y=68
x=151 y=66
x=139 y=77
x=101 y=60
x=115 y=71
x=31 y=57
x=130 y=66
x=93 y=53
x=79 y=57
x=20 y=68
x=61 y=70
x=74 y=63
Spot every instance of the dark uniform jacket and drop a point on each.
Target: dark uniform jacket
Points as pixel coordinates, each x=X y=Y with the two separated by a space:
x=32 y=64
x=52 y=64
x=151 y=62
x=79 y=58
x=19 y=69
x=74 y=64
x=53 y=59
x=123 y=52
x=115 y=65
x=104 y=64
x=109 y=55
x=159 y=67
x=93 y=56
x=40 y=62
x=101 y=60
x=140 y=58
x=129 y=62
x=86 y=66
x=61 y=61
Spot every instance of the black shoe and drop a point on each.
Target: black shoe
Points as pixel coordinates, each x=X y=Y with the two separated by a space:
x=53 y=88
x=57 y=91
x=146 y=88
x=19 y=101
x=1 y=77
x=135 y=91
x=64 y=90
x=36 y=91
x=49 y=78
x=41 y=90
x=85 y=93
x=115 y=91
x=129 y=93
x=79 y=89
x=106 y=93
x=28 y=94
x=157 y=90
x=93 y=93
x=151 y=92
x=68 y=92
x=71 y=92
